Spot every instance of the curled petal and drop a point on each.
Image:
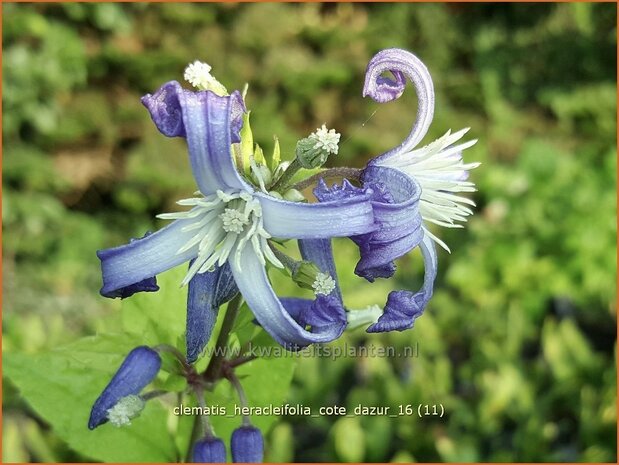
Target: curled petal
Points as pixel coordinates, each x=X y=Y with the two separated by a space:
x=295 y=220
x=130 y=266
x=210 y=123
x=247 y=445
x=395 y=203
x=207 y=291
x=401 y=63
x=137 y=370
x=146 y=285
x=404 y=307
x=252 y=280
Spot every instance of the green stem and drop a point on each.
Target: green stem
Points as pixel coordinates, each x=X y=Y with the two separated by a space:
x=286 y=176
x=286 y=260
x=348 y=173
x=213 y=371
x=231 y=376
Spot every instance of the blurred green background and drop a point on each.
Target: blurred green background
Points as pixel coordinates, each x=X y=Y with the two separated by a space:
x=519 y=341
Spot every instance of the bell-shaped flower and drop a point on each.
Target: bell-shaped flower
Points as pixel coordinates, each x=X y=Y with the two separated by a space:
x=209 y=450
x=229 y=222
x=247 y=445
x=118 y=401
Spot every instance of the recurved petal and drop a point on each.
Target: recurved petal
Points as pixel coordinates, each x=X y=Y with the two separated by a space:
x=252 y=280
x=128 y=268
x=395 y=204
x=295 y=220
x=207 y=291
x=404 y=307
x=210 y=123
x=401 y=64
x=138 y=369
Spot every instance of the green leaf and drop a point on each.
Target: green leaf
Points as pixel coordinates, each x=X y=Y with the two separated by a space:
x=61 y=386
x=159 y=317
x=247 y=143
x=277 y=156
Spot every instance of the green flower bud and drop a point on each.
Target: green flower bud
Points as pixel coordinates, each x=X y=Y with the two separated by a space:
x=293 y=195
x=309 y=155
x=305 y=274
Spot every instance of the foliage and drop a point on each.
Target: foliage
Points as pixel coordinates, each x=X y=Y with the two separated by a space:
x=519 y=341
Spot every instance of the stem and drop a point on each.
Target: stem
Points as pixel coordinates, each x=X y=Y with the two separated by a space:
x=231 y=376
x=213 y=371
x=241 y=360
x=177 y=353
x=286 y=175
x=287 y=261
x=153 y=394
x=349 y=173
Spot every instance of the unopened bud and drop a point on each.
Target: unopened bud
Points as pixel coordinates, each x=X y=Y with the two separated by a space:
x=305 y=274
x=209 y=450
x=247 y=445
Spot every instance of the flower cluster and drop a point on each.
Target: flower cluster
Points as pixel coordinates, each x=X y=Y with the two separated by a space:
x=244 y=210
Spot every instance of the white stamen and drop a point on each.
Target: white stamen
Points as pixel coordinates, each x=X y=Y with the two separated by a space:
x=125 y=409
x=324 y=284
x=198 y=74
x=224 y=224
x=439 y=169
x=326 y=140
x=233 y=221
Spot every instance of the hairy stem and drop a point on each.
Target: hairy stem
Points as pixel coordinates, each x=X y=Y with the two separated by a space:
x=286 y=176
x=213 y=371
x=348 y=173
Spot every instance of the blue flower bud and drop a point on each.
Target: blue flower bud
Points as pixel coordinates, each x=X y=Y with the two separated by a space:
x=137 y=370
x=209 y=450
x=247 y=445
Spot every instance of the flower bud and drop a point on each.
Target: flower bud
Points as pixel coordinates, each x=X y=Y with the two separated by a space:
x=138 y=369
x=309 y=155
x=247 y=445
x=293 y=195
x=209 y=450
x=305 y=274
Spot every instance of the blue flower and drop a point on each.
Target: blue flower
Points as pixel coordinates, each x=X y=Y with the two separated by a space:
x=138 y=369
x=247 y=445
x=209 y=450
x=229 y=221
x=409 y=188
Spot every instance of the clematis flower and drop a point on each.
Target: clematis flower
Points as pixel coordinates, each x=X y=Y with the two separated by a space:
x=230 y=222
x=409 y=188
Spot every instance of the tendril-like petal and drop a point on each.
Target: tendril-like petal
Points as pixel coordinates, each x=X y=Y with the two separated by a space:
x=401 y=64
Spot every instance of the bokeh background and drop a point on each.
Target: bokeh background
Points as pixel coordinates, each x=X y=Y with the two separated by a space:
x=519 y=341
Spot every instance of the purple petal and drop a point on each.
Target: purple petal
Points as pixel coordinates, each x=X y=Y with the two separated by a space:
x=395 y=203
x=146 y=285
x=209 y=450
x=253 y=282
x=328 y=219
x=138 y=369
x=207 y=291
x=134 y=263
x=404 y=307
x=247 y=445
x=210 y=124
x=401 y=63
